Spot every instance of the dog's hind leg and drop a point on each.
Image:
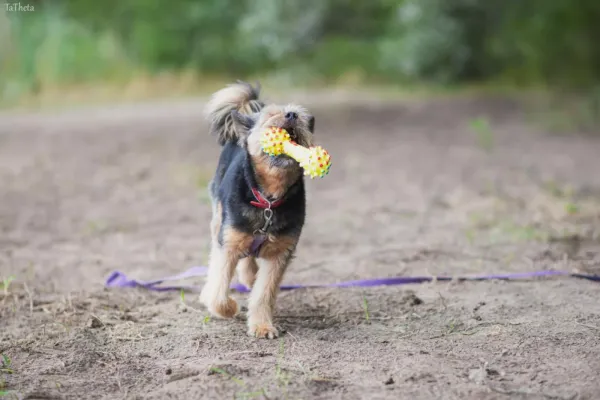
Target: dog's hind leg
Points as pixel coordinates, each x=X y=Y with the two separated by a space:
x=246 y=271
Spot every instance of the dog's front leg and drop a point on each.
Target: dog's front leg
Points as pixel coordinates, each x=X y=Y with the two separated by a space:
x=264 y=293
x=215 y=294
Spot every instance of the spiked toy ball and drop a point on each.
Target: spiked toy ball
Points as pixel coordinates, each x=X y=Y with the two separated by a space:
x=314 y=160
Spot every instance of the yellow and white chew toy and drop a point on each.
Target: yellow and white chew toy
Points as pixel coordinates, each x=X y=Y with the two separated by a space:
x=315 y=160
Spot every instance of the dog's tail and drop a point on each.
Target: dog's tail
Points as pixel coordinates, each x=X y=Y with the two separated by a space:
x=241 y=97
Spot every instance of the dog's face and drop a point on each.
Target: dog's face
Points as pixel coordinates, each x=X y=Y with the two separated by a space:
x=295 y=119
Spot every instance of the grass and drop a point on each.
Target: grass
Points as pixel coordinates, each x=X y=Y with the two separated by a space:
x=518 y=232
x=557 y=217
x=563 y=193
x=562 y=113
x=366 y=309
x=6 y=365
x=240 y=382
x=470 y=235
x=557 y=190
x=283 y=378
x=501 y=228
x=182 y=84
x=186 y=306
x=5 y=284
x=250 y=395
x=96 y=227
x=5 y=369
x=483 y=133
x=571 y=208
x=227 y=375
x=553 y=210
x=142 y=86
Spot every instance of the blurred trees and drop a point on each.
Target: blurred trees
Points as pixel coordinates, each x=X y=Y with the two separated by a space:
x=551 y=42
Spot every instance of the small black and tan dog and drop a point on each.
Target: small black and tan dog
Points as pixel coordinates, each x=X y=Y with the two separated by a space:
x=258 y=203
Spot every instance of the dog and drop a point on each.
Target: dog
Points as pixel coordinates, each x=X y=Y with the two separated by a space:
x=258 y=203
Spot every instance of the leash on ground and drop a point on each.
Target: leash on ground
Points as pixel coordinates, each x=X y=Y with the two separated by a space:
x=120 y=280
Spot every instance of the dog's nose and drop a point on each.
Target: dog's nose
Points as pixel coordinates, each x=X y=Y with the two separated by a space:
x=291 y=116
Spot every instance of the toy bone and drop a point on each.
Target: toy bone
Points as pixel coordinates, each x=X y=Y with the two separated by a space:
x=314 y=160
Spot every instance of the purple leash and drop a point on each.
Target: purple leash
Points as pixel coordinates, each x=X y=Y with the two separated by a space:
x=118 y=279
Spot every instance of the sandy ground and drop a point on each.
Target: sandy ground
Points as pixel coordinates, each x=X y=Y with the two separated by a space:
x=416 y=188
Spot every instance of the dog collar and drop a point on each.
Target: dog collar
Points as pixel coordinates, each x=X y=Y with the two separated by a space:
x=260 y=235
x=261 y=202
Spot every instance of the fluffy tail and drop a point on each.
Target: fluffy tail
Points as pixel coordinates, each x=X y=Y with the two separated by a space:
x=240 y=96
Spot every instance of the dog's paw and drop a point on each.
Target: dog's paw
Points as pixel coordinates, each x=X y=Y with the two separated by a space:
x=223 y=309
x=266 y=331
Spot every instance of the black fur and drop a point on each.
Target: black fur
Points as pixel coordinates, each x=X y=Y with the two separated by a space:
x=238 y=117
x=240 y=229
x=311 y=124
x=232 y=187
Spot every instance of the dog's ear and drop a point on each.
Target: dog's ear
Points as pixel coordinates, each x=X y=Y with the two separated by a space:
x=311 y=124
x=243 y=123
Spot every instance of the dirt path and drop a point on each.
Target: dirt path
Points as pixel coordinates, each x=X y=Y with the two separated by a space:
x=414 y=190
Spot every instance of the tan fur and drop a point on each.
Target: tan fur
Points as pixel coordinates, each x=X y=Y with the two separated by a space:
x=274 y=181
x=246 y=270
x=247 y=267
x=275 y=257
x=235 y=241
x=223 y=260
x=274 y=115
x=215 y=294
x=263 y=331
x=278 y=246
x=227 y=309
x=261 y=303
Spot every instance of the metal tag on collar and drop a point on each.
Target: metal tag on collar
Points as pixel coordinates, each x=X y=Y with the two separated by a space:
x=268 y=213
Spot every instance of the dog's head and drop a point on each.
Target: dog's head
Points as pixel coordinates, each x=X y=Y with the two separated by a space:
x=295 y=119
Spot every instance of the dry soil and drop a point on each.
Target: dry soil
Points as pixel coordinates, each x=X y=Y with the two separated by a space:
x=453 y=186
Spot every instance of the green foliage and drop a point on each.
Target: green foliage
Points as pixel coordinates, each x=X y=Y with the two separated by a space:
x=445 y=41
x=548 y=41
x=425 y=42
x=51 y=49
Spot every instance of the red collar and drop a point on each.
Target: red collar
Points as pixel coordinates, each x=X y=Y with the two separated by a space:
x=261 y=202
